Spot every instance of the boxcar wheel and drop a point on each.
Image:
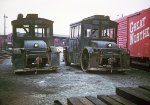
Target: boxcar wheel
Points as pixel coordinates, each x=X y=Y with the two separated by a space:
x=85 y=60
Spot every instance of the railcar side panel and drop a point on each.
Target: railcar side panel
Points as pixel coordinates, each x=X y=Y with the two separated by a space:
x=122 y=32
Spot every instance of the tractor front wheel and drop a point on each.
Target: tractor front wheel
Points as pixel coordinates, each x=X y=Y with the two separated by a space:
x=85 y=60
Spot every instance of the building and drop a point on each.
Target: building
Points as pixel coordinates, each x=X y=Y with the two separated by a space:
x=5 y=41
x=59 y=40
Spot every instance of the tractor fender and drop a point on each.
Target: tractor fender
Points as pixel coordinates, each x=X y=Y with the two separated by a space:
x=53 y=49
x=53 y=56
x=89 y=49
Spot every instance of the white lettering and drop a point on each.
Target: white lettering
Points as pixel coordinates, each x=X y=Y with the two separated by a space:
x=131 y=38
x=134 y=26
x=144 y=34
x=134 y=38
x=141 y=35
x=137 y=25
x=143 y=21
x=131 y=27
x=147 y=31
x=137 y=37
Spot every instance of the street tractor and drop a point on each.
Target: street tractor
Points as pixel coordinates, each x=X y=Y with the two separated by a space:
x=32 y=47
x=92 y=44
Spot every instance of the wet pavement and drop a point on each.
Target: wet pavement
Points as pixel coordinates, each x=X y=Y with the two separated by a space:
x=43 y=89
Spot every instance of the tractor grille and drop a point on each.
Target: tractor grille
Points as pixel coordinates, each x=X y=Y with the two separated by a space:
x=109 y=57
x=35 y=53
x=105 y=61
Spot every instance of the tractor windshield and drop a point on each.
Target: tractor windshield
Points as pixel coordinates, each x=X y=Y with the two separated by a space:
x=102 y=31
x=32 y=31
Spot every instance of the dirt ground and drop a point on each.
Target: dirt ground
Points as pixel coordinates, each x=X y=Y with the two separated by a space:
x=44 y=88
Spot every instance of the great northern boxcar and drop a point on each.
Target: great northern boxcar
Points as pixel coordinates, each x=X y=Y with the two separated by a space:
x=92 y=45
x=134 y=35
x=33 y=44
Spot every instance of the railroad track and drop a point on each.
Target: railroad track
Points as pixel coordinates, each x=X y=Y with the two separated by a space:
x=140 y=67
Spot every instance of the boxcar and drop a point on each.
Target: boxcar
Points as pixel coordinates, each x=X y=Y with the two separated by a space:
x=134 y=36
x=92 y=45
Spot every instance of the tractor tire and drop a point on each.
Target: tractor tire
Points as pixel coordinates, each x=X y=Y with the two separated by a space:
x=85 y=60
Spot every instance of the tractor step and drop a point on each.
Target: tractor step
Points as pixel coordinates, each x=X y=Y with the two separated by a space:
x=36 y=70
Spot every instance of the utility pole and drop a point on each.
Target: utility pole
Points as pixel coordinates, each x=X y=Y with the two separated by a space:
x=4 y=46
x=5 y=24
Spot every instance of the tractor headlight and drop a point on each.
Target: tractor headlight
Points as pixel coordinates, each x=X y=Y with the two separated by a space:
x=36 y=45
x=109 y=45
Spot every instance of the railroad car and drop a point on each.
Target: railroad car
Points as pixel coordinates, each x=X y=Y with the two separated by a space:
x=92 y=44
x=134 y=36
x=33 y=44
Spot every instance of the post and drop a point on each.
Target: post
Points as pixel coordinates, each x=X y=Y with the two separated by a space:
x=5 y=24
x=5 y=30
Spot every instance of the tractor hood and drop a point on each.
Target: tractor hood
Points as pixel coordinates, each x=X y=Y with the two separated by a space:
x=103 y=44
x=31 y=44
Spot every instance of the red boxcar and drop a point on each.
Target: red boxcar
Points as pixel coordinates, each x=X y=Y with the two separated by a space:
x=134 y=35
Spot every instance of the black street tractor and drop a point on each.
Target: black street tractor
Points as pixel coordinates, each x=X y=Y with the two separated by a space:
x=33 y=48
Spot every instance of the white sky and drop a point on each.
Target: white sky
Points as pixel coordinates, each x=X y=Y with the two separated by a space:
x=65 y=12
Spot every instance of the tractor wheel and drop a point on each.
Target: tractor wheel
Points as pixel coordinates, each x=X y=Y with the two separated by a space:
x=66 y=58
x=18 y=63
x=85 y=60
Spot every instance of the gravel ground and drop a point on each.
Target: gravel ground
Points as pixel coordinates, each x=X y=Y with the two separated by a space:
x=43 y=89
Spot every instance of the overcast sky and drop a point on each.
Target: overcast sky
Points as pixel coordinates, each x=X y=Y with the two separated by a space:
x=65 y=12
